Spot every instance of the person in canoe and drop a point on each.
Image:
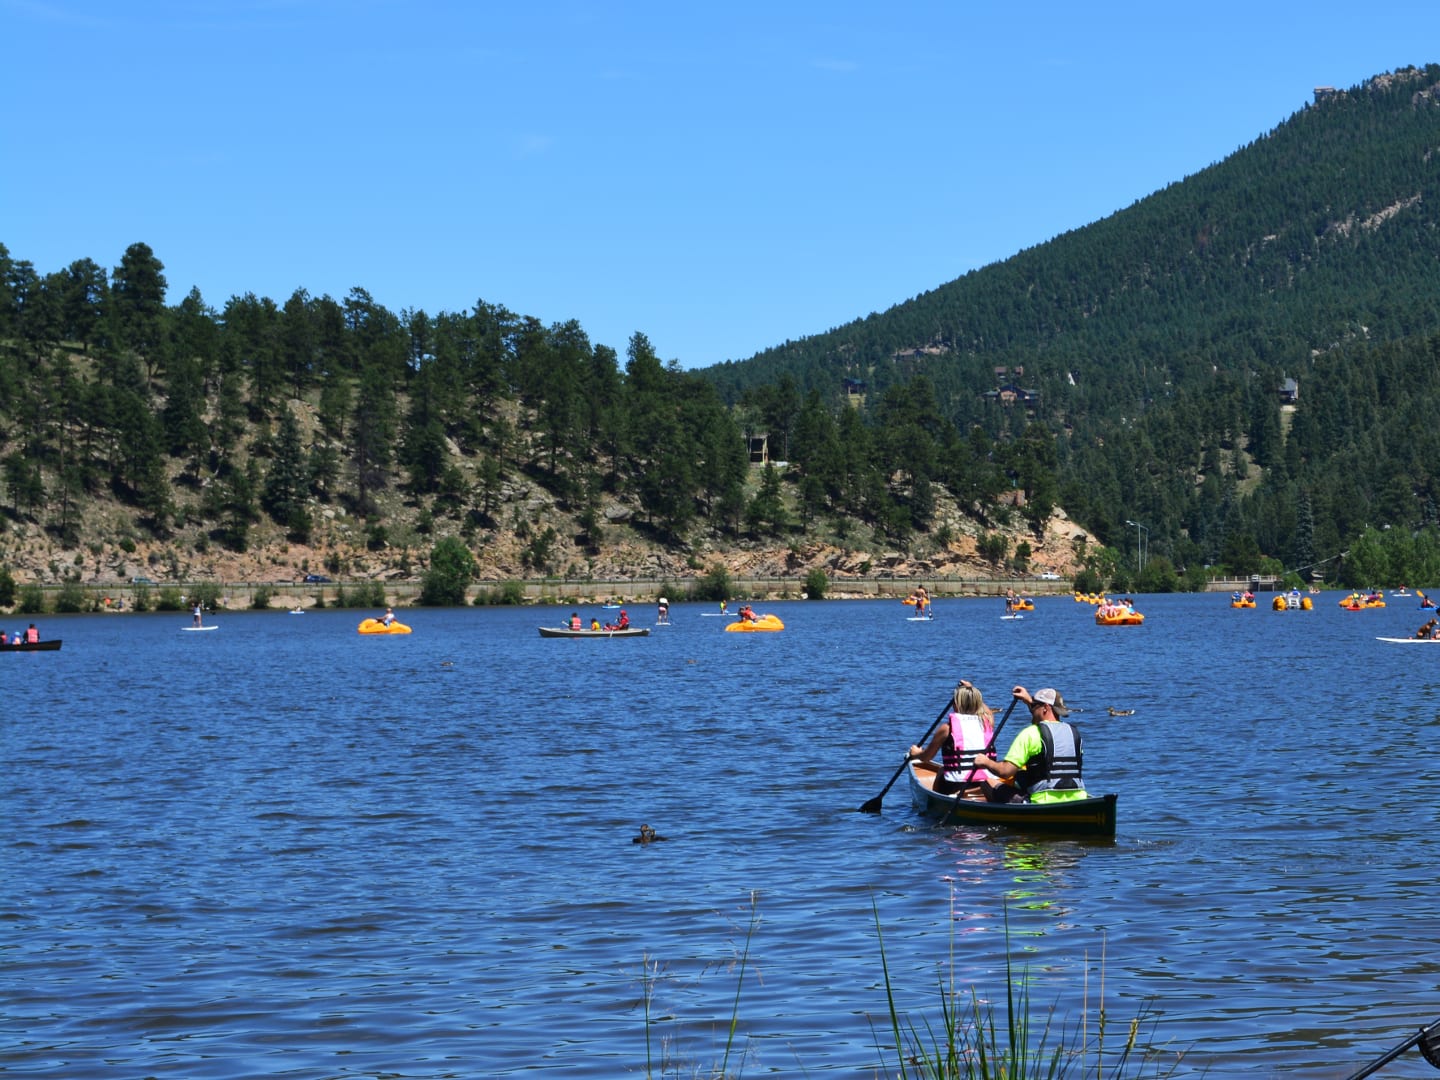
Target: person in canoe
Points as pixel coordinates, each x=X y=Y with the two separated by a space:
x=965 y=733
x=623 y=624
x=32 y=635
x=575 y=623
x=594 y=623
x=1045 y=760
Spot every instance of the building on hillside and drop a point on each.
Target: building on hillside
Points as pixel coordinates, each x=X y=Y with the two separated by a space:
x=759 y=448
x=1011 y=394
x=853 y=387
x=1289 y=392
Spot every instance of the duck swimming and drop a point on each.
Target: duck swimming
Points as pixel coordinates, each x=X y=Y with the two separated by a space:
x=1120 y=712
x=647 y=835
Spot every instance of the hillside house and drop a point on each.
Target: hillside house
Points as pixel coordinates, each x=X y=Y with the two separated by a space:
x=1289 y=392
x=1011 y=394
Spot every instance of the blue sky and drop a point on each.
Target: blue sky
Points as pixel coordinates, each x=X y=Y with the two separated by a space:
x=721 y=178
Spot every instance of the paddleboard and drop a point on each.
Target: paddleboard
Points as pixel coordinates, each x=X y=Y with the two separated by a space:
x=1410 y=640
x=191 y=629
x=919 y=618
x=1012 y=616
x=717 y=614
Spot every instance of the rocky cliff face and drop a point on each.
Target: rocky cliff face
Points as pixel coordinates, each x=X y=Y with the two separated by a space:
x=112 y=551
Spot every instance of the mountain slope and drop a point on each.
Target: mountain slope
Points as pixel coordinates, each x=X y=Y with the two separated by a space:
x=1321 y=230
x=1154 y=343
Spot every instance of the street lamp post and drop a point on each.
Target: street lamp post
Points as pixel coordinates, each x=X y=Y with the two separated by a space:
x=1139 y=548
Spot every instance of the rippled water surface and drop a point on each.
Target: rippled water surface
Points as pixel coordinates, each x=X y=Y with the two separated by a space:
x=284 y=849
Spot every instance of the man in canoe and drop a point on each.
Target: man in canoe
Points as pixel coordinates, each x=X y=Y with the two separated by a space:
x=1044 y=762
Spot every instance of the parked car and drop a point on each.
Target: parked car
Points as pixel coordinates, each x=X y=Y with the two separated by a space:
x=316 y=579
x=1048 y=576
x=141 y=581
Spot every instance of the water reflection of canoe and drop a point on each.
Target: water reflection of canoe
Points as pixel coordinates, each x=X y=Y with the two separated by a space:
x=53 y=645
x=1077 y=817
x=565 y=631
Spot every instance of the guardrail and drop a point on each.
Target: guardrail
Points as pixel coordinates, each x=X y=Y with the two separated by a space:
x=1257 y=583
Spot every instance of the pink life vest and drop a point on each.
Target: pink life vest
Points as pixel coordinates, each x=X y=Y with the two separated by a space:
x=967 y=738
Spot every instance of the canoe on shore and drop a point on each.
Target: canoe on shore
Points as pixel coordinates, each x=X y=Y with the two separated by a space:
x=1076 y=817
x=565 y=631
x=53 y=645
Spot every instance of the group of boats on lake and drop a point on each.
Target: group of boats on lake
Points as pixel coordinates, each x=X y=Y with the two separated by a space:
x=745 y=621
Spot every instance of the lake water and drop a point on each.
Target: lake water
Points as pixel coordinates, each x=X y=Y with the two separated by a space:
x=284 y=849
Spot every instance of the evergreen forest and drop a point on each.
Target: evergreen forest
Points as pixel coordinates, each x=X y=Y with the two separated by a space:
x=1238 y=372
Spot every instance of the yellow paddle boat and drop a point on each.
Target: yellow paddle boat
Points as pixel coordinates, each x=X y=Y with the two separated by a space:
x=1118 y=617
x=759 y=623
x=376 y=626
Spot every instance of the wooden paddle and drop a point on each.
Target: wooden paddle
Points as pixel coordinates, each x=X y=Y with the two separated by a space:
x=872 y=806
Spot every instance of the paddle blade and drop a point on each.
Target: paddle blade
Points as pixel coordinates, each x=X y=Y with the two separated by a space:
x=872 y=806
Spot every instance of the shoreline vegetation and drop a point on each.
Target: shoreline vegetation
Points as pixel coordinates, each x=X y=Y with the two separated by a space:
x=75 y=597
x=972 y=1037
x=969 y=1038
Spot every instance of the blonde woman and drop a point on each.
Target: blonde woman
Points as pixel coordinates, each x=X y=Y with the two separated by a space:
x=966 y=732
